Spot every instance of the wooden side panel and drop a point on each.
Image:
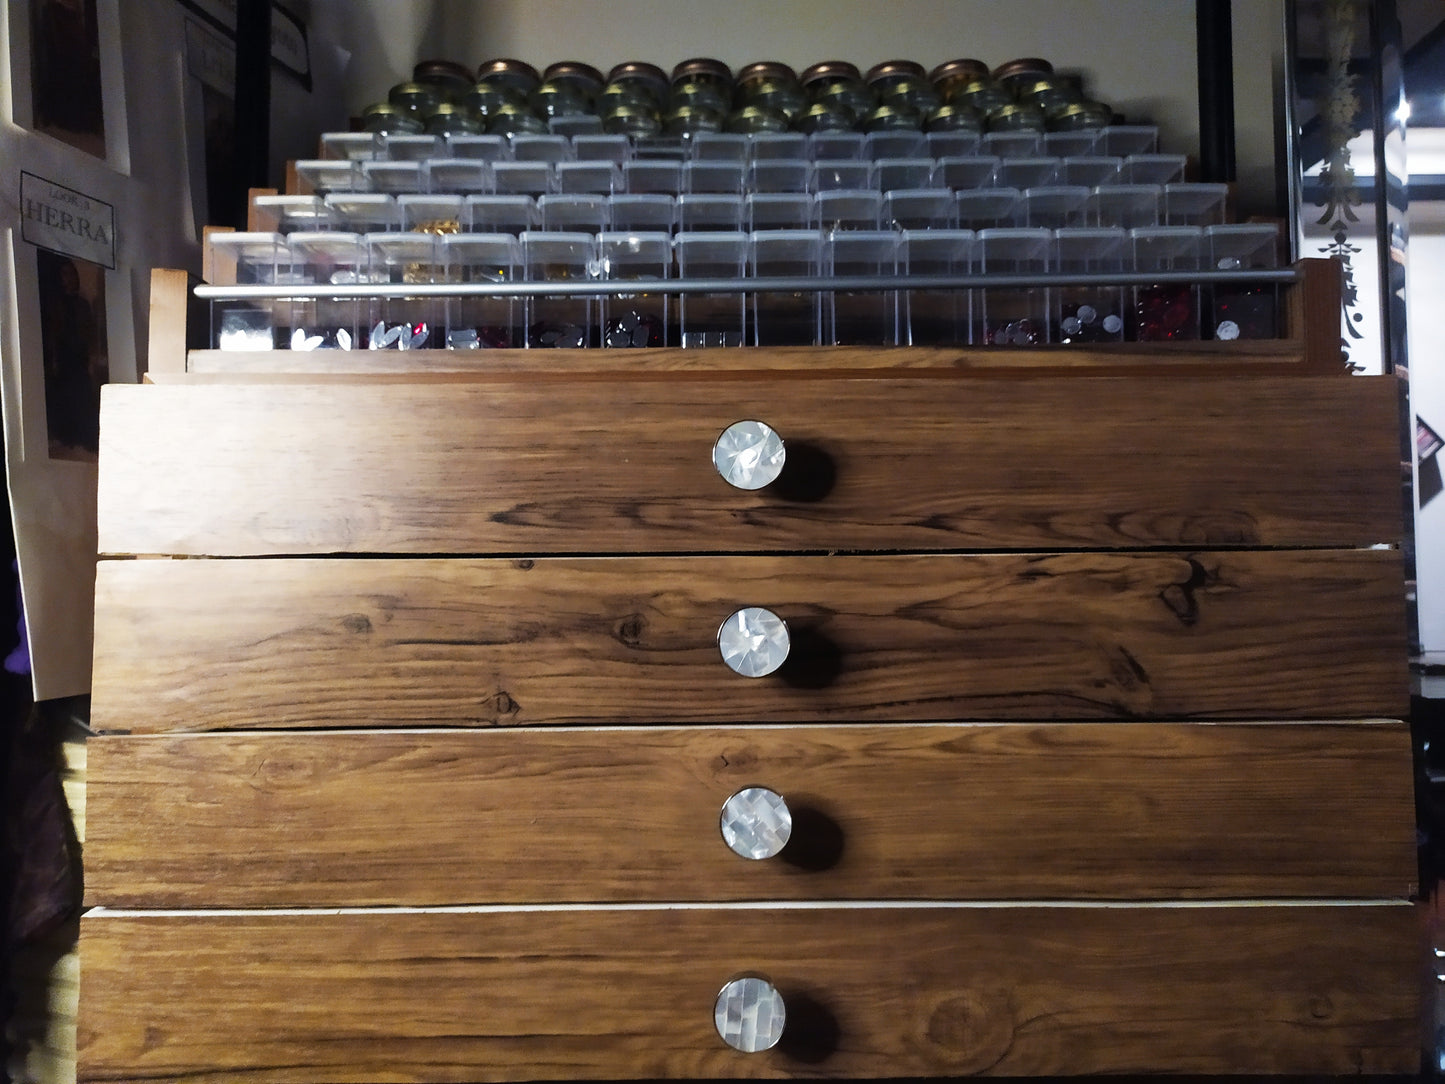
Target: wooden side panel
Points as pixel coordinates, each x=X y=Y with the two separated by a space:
x=242 y=644
x=166 y=352
x=1102 y=811
x=625 y=466
x=629 y=994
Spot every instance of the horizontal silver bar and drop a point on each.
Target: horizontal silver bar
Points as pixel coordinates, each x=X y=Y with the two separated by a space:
x=760 y=284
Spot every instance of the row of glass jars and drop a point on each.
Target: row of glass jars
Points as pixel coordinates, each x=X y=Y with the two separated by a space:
x=641 y=99
x=643 y=313
x=1052 y=206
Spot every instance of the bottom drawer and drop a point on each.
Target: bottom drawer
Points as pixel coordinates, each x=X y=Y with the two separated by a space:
x=630 y=992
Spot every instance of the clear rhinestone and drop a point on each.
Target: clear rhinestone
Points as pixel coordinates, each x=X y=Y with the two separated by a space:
x=749 y=1014
x=753 y=641
x=1227 y=330
x=749 y=455
x=756 y=822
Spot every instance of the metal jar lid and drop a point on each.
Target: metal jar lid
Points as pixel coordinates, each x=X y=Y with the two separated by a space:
x=514 y=76
x=687 y=119
x=560 y=98
x=764 y=70
x=1022 y=70
x=701 y=94
x=889 y=72
x=827 y=70
x=575 y=73
x=757 y=118
x=1017 y=117
x=486 y=98
x=389 y=117
x=786 y=97
x=704 y=69
x=625 y=95
x=821 y=117
x=889 y=118
x=961 y=71
x=452 y=117
x=983 y=94
x=453 y=78
x=513 y=119
x=1076 y=116
x=419 y=98
x=640 y=123
x=916 y=94
x=640 y=74
x=847 y=95
x=1047 y=94
x=954 y=118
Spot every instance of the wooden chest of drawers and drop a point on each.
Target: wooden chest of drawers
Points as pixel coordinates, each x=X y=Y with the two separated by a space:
x=1089 y=728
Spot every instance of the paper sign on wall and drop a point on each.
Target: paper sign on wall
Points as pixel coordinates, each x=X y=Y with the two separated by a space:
x=63 y=220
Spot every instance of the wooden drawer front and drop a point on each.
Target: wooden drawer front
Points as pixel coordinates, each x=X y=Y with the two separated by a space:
x=558 y=994
x=199 y=645
x=1058 y=811
x=619 y=465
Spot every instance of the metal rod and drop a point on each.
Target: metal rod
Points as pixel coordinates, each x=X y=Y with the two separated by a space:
x=761 y=284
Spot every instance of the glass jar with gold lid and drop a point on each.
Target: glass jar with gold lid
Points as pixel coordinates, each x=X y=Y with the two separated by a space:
x=699 y=94
x=982 y=94
x=559 y=99
x=954 y=118
x=706 y=70
x=822 y=117
x=638 y=77
x=515 y=78
x=453 y=118
x=1016 y=117
x=451 y=78
x=882 y=76
x=1013 y=75
x=773 y=84
x=1048 y=94
x=756 y=118
x=887 y=118
x=418 y=99
x=639 y=121
x=512 y=119
x=384 y=117
x=1078 y=116
x=953 y=75
x=686 y=120
x=586 y=80
x=916 y=94
x=838 y=85
x=484 y=99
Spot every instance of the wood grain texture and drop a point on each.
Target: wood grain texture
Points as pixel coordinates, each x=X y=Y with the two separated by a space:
x=318 y=642
x=629 y=994
x=1313 y=311
x=166 y=349
x=1278 y=357
x=1062 y=811
x=625 y=466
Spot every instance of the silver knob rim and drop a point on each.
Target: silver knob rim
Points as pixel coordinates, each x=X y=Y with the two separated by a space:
x=749 y=454
x=756 y=823
x=754 y=641
x=749 y=1014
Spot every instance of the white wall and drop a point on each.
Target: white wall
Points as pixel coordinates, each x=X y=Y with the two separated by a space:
x=1138 y=55
x=1425 y=286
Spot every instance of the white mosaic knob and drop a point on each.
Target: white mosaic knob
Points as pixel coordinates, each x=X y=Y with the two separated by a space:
x=749 y=455
x=756 y=822
x=750 y=1014
x=754 y=641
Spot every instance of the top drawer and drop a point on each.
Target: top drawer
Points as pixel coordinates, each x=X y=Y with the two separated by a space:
x=624 y=465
